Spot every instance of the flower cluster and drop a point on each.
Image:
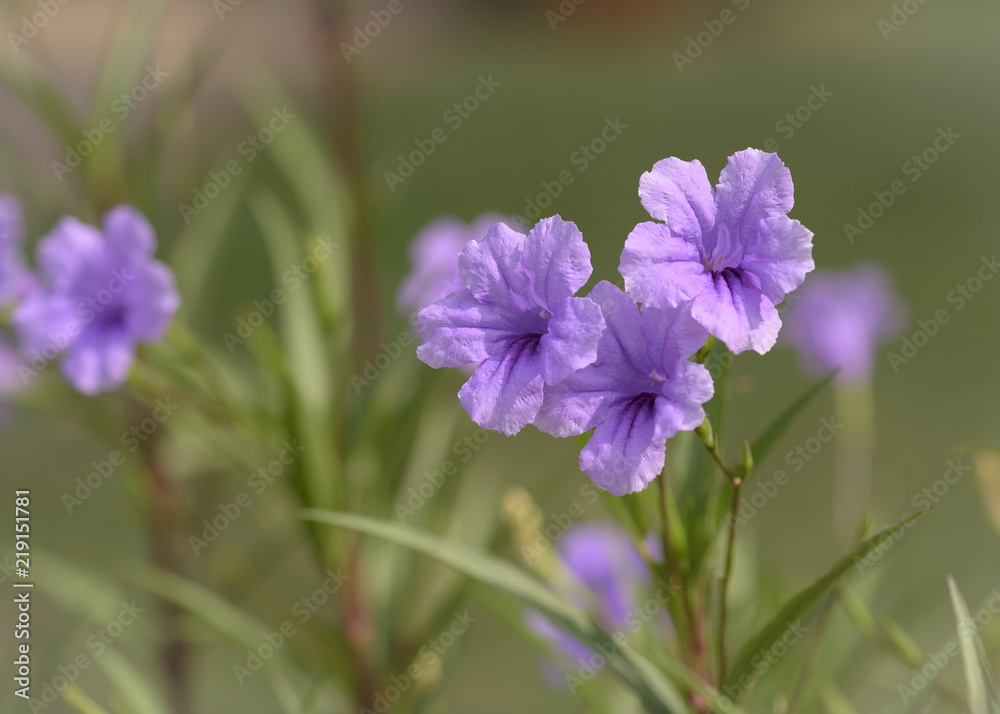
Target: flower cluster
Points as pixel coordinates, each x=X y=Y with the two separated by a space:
x=717 y=262
x=96 y=295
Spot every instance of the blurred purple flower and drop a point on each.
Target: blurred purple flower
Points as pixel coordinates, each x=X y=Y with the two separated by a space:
x=639 y=392
x=102 y=293
x=731 y=253
x=839 y=319
x=517 y=315
x=604 y=574
x=16 y=279
x=434 y=259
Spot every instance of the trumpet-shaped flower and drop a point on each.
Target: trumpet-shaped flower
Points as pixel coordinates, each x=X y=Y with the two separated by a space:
x=839 y=319
x=641 y=390
x=434 y=260
x=731 y=254
x=518 y=316
x=101 y=293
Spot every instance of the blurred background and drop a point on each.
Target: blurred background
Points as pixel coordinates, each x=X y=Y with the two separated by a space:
x=868 y=86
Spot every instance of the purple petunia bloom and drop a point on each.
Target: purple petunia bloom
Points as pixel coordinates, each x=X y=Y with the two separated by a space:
x=516 y=314
x=731 y=253
x=434 y=257
x=639 y=392
x=102 y=293
x=839 y=319
x=16 y=280
x=604 y=574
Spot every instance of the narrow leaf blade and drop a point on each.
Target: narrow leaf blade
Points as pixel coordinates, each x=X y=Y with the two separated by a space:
x=748 y=668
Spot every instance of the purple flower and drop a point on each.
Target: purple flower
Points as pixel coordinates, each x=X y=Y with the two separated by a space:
x=102 y=293
x=434 y=257
x=639 y=392
x=15 y=278
x=732 y=253
x=517 y=315
x=603 y=573
x=839 y=318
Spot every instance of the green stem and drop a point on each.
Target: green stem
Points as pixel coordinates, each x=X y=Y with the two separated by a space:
x=726 y=575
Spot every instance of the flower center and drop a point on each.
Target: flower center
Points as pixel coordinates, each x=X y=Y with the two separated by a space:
x=657 y=376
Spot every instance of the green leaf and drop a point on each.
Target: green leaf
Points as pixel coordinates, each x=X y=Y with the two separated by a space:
x=657 y=692
x=748 y=668
x=767 y=441
x=982 y=695
x=75 y=697
x=136 y=691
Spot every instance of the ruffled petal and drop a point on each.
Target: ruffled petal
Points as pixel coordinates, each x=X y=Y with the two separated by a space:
x=490 y=269
x=753 y=186
x=627 y=451
x=505 y=392
x=671 y=335
x=679 y=194
x=571 y=342
x=738 y=313
x=781 y=258
x=688 y=388
x=661 y=269
x=556 y=262
x=459 y=330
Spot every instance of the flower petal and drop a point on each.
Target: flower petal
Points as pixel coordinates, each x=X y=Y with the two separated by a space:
x=661 y=269
x=505 y=392
x=152 y=301
x=490 y=269
x=571 y=342
x=679 y=194
x=738 y=313
x=684 y=393
x=556 y=262
x=130 y=237
x=671 y=335
x=626 y=451
x=71 y=254
x=753 y=186
x=46 y=324
x=781 y=258
x=459 y=330
x=99 y=362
